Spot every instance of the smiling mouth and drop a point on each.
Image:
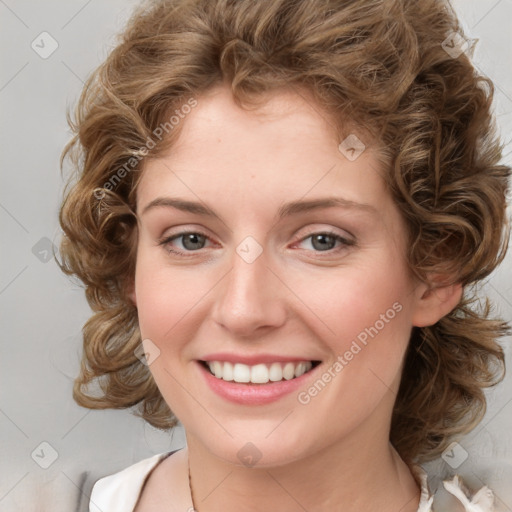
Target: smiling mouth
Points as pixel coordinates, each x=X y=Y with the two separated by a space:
x=258 y=373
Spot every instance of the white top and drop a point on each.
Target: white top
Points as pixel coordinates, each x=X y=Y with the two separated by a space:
x=120 y=492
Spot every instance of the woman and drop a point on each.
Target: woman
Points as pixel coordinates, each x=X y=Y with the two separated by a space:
x=280 y=211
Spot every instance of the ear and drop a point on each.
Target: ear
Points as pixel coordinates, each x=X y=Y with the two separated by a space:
x=434 y=300
x=133 y=297
x=130 y=293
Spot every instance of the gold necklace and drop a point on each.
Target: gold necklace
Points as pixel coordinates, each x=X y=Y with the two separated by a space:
x=194 y=509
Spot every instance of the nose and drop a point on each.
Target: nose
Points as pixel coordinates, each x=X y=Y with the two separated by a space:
x=250 y=299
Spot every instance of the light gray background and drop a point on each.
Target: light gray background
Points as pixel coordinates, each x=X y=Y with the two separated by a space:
x=42 y=311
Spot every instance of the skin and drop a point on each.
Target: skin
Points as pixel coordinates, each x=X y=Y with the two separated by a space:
x=295 y=299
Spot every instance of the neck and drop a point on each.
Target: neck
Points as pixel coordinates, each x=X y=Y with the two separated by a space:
x=348 y=476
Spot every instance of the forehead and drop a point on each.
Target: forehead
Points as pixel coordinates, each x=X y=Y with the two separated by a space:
x=286 y=147
x=285 y=116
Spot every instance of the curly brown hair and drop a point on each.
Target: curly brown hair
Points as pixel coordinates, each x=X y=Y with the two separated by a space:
x=384 y=65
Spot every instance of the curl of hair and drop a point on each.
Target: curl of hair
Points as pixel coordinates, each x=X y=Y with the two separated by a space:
x=378 y=65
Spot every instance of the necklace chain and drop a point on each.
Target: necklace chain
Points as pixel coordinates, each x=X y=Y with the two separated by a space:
x=194 y=509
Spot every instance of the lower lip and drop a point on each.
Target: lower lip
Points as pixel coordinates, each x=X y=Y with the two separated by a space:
x=253 y=394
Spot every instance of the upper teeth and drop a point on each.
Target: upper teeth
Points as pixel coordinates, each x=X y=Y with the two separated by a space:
x=259 y=373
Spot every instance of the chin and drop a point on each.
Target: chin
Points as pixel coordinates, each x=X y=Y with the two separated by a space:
x=258 y=453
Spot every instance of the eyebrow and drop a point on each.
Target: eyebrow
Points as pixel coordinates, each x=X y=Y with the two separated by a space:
x=286 y=210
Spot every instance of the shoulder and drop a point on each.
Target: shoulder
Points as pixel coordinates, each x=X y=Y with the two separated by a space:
x=120 y=491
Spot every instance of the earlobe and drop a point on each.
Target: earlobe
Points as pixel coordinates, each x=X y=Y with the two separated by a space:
x=132 y=295
x=434 y=302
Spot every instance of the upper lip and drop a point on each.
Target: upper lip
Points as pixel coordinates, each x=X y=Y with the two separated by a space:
x=251 y=360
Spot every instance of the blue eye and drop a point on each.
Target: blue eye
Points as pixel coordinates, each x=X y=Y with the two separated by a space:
x=326 y=241
x=190 y=240
x=193 y=241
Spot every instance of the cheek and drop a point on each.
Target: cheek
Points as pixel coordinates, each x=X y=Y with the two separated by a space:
x=166 y=296
x=364 y=321
x=168 y=300
x=355 y=301
x=369 y=312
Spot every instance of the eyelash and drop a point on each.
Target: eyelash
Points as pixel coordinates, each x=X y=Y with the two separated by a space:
x=186 y=254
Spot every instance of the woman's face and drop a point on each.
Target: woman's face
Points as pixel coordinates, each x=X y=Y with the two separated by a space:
x=263 y=245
